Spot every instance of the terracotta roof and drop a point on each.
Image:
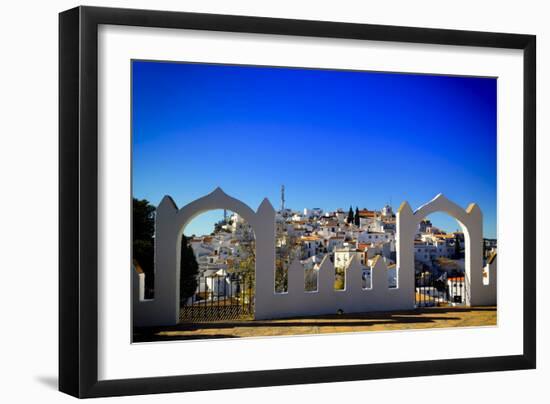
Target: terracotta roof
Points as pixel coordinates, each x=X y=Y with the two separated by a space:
x=367 y=213
x=443 y=235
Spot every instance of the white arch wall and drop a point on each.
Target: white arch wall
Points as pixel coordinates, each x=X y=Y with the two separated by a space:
x=164 y=309
x=471 y=221
x=169 y=224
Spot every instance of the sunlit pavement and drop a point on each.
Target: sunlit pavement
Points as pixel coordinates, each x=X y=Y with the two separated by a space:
x=437 y=317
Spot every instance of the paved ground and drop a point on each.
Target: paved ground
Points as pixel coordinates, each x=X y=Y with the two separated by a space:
x=440 y=317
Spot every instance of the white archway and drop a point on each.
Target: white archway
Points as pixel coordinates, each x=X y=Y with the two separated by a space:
x=471 y=222
x=169 y=225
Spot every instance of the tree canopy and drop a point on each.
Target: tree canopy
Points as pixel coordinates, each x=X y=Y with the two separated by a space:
x=350 y=216
x=143 y=249
x=189 y=270
x=457 y=248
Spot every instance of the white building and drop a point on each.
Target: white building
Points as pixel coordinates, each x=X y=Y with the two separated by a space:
x=455 y=286
x=314 y=212
x=341 y=217
x=387 y=211
x=344 y=255
x=375 y=237
x=334 y=242
x=311 y=246
x=427 y=253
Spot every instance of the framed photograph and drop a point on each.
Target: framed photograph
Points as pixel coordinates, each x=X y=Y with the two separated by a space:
x=250 y=201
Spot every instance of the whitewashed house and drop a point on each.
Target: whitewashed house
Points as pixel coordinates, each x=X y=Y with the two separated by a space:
x=344 y=255
x=334 y=242
x=311 y=246
x=455 y=286
x=375 y=237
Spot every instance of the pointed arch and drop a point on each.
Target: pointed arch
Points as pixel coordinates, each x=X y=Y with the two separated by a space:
x=471 y=222
x=169 y=225
x=215 y=200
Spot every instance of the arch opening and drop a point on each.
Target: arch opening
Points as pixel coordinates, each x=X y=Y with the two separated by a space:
x=439 y=251
x=217 y=266
x=470 y=223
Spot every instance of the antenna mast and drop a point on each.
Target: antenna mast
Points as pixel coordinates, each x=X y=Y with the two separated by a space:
x=282 y=198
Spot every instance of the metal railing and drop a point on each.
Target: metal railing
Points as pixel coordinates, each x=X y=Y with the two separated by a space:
x=220 y=298
x=432 y=291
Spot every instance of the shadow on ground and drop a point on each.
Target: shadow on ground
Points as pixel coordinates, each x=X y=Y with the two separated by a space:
x=418 y=318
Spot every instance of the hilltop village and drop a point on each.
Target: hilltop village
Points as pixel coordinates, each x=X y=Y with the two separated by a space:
x=312 y=234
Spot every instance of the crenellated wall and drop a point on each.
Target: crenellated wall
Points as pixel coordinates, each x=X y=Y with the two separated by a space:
x=170 y=222
x=327 y=300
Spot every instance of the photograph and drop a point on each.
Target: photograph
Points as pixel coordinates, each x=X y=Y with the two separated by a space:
x=280 y=201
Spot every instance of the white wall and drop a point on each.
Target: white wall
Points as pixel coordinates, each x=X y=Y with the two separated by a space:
x=28 y=163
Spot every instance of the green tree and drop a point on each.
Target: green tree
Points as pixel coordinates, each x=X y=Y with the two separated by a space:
x=247 y=265
x=457 y=248
x=350 y=215
x=357 y=220
x=340 y=279
x=281 y=275
x=288 y=249
x=143 y=248
x=247 y=245
x=189 y=270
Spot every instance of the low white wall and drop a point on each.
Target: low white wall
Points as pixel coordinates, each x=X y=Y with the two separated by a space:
x=488 y=291
x=326 y=300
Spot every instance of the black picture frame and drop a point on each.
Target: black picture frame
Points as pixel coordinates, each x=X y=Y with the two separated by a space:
x=78 y=201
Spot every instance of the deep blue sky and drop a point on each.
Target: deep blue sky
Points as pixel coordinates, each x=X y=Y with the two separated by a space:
x=333 y=138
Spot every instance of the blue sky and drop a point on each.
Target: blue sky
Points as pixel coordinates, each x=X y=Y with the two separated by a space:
x=334 y=138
